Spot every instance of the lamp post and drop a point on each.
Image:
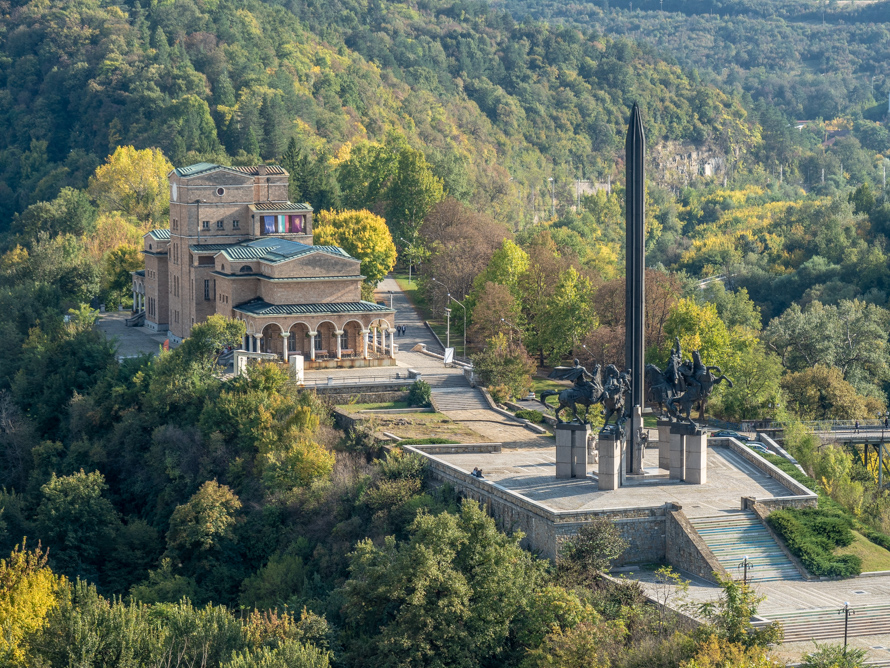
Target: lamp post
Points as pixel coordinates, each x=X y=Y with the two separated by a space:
x=448 y=327
x=510 y=324
x=465 y=320
x=846 y=612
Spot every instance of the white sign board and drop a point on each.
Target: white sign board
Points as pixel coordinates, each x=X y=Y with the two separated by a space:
x=449 y=355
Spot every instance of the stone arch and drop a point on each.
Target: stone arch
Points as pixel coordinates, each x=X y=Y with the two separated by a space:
x=379 y=332
x=272 y=341
x=298 y=341
x=353 y=337
x=326 y=339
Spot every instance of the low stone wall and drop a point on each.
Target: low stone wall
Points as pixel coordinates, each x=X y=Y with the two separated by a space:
x=777 y=503
x=686 y=550
x=365 y=397
x=546 y=531
x=766 y=467
x=457 y=448
x=362 y=388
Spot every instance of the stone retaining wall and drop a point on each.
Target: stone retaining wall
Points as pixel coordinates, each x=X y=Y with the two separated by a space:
x=546 y=530
x=686 y=550
x=766 y=467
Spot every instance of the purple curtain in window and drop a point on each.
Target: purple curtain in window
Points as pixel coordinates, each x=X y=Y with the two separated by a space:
x=268 y=224
x=296 y=224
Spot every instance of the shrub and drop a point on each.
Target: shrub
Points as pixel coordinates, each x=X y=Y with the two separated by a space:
x=877 y=537
x=420 y=394
x=834 y=656
x=812 y=534
x=500 y=393
x=532 y=416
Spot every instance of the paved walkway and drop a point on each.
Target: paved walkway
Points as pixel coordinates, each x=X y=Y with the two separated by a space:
x=131 y=341
x=417 y=333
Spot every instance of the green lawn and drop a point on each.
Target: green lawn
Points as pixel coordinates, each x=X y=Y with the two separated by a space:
x=540 y=384
x=874 y=557
x=387 y=405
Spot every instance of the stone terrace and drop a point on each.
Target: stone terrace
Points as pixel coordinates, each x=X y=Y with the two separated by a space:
x=531 y=473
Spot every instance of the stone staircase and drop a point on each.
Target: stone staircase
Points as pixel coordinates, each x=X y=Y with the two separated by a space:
x=449 y=399
x=733 y=536
x=447 y=380
x=826 y=624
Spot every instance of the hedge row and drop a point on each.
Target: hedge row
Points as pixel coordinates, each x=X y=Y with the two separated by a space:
x=532 y=416
x=812 y=534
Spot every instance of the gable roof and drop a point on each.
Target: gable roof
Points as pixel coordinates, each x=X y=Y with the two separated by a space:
x=207 y=167
x=159 y=235
x=273 y=249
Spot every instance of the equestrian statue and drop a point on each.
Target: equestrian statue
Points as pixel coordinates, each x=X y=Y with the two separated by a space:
x=684 y=383
x=586 y=389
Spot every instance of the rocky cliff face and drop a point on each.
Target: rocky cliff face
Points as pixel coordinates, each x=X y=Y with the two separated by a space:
x=674 y=163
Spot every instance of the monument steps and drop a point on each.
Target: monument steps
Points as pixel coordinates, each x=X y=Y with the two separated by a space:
x=446 y=380
x=827 y=624
x=734 y=536
x=458 y=399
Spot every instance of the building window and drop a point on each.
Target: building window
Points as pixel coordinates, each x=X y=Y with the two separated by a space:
x=205 y=224
x=220 y=225
x=344 y=340
x=318 y=343
x=235 y=224
x=220 y=191
x=246 y=269
x=206 y=289
x=175 y=224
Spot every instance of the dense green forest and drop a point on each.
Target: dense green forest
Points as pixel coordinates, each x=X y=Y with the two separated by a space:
x=174 y=518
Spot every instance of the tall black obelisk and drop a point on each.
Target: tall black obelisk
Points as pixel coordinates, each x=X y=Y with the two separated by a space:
x=635 y=294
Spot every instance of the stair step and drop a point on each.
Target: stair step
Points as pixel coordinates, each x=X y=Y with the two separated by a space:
x=741 y=534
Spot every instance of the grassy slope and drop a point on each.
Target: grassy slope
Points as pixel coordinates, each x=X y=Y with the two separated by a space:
x=874 y=557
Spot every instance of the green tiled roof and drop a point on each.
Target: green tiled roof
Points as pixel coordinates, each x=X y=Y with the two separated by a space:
x=262 y=308
x=209 y=248
x=299 y=207
x=273 y=249
x=205 y=167
x=160 y=235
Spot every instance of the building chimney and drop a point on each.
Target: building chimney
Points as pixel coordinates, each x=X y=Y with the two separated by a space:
x=261 y=170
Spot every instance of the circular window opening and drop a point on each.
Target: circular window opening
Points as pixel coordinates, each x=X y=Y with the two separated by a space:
x=220 y=191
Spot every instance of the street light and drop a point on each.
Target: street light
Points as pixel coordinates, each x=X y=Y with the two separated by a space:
x=510 y=324
x=465 y=320
x=448 y=313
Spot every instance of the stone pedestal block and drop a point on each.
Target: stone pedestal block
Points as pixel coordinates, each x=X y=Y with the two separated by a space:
x=678 y=456
x=571 y=450
x=664 y=444
x=609 y=469
x=697 y=458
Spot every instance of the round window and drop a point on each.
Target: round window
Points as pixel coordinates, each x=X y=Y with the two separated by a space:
x=220 y=191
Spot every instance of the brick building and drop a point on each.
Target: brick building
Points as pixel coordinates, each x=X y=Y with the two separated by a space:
x=237 y=247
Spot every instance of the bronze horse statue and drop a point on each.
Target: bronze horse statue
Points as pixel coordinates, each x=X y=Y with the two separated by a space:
x=583 y=392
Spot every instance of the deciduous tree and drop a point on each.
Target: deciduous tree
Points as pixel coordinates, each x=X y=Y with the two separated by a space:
x=361 y=234
x=134 y=182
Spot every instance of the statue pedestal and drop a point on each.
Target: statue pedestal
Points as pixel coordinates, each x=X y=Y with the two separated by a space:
x=664 y=444
x=571 y=450
x=697 y=458
x=609 y=472
x=689 y=453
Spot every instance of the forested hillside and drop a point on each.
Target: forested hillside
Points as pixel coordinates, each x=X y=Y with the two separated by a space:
x=487 y=98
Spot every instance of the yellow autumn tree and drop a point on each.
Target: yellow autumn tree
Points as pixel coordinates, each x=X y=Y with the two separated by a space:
x=699 y=327
x=28 y=591
x=363 y=235
x=134 y=182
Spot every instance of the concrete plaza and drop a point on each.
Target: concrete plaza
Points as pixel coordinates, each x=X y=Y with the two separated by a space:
x=531 y=473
